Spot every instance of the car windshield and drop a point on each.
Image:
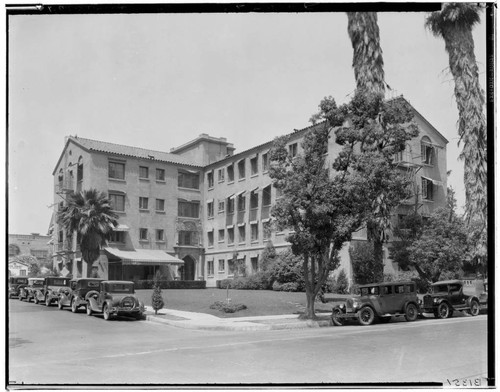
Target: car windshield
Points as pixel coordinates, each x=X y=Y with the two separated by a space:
x=37 y=283
x=19 y=281
x=92 y=285
x=121 y=288
x=439 y=288
x=370 y=290
x=58 y=282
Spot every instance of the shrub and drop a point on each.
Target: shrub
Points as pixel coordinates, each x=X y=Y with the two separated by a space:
x=341 y=284
x=171 y=284
x=267 y=257
x=156 y=298
x=365 y=268
x=226 y=307
x=289 y=286
x=287 y=268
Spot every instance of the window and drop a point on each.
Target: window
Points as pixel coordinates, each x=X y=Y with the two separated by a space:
x=188 y=238
x=188 y=180
x=143 y=203
x=241 y=169
x=230 y=205
x=117 y=201
x=210 y=179
x=265 y=162
x=143 y=172
x=230 y=235
x=230 y=173
x=143 y=234
x=241 y=233
x=210 y=237
x=254 y=200
x=220 y=175
x=210 y=267
x=254 y=165
x=222 y=267
x=221 y=235
x=292 y=150
x=427 y=151
x=254 y=227
x=160 y=235
x=117 y=236
x=160 y=205
x=427 y=189
x=116 y=170
x=221 y=206
x=210 y=209
x=399 y=289
x=387 y=290
x=160 y=174
x=188 y=209
x=266 y=230
x=241 y=202
x=266 y=196
x=254 y=261
x=22 y=272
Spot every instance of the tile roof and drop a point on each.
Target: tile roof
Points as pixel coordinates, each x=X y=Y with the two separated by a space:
x=130 y=151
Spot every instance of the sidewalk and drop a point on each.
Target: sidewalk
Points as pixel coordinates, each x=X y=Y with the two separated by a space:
x=191 y=320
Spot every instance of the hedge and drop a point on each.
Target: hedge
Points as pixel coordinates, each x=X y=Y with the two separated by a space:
x=172 y=284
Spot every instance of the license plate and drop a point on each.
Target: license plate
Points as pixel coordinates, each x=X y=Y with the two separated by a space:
x=127 y=304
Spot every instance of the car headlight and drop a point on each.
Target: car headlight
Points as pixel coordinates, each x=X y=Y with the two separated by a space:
x=355 y=304
x=435 y=300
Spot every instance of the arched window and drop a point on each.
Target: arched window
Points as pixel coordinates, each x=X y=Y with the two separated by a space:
x=427 y=151
x=79 y=174
x=60 y=178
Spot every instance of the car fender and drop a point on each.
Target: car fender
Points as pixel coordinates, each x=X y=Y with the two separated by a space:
x=368 y=306
x=410 y=302
x=472 y=297
x=341 y=307
x=91 y=301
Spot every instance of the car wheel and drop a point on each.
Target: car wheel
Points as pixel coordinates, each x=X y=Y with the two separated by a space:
x=366 y=316
x=336 y=320
x=138 y=316
x=385 y=319
x=443 y=310
x=20 y=297
x=411 y=312
x=74 y=308
x=59 y=304
x=47 y=301
x=105 y=312
x=474 y=308
x=35 y=300
x=89 y=310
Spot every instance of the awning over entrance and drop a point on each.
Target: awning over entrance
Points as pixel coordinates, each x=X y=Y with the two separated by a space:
x=143 y=256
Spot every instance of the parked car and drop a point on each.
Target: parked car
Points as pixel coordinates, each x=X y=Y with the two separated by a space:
x=447 y=296
x=15 y=285
x=115 y=298
x=52 y=286
x=379 y=301
x=79 y=291
x=28 y=292
x=483 y=297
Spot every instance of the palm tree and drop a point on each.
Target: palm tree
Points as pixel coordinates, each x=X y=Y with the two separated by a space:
x=368 y=67
x=89 y=215
x=367 y=60
x=454 y=24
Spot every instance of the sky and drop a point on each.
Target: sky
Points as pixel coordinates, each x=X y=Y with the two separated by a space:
x=159 y=80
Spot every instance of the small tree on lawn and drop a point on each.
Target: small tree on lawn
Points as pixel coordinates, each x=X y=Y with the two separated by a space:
x=157 y=298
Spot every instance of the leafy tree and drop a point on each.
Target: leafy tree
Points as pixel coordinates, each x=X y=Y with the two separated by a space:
x=442 y=247
x=364 y=266
x=409 y=230
x=267 y=256
x=157 y=299
x=90 y=216
x=287 y=268
x=454 y=24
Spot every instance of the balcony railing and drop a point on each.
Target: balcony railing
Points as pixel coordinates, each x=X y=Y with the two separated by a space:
x=64 y=186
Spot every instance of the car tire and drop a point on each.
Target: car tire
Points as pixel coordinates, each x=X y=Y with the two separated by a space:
x=47 y=301
x=443 y=311
x=335 y=319
x=105 y=312
x=35 y=300
x=59 y=304
x=89 y=310
x=139 y=316
x=366 y=316
x=74 y=308
x=411 y=312
x=20 y=298
x=474 y=308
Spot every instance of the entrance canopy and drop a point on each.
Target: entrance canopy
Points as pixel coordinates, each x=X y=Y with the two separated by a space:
x=143 y=256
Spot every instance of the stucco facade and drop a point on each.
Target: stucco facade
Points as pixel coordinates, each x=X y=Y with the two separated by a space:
x=209 y=206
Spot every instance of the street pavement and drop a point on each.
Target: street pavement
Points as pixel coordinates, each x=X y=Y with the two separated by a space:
x=52 y=347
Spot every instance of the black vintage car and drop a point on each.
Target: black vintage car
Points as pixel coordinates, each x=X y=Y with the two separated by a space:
x=28 y=292
x=115 y=298
x=379 y=301
x=447 y=296
x=49 y=293
x=15 y=285
x=77 y=294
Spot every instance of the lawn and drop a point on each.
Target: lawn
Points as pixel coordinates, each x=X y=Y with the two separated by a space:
x=258 y=302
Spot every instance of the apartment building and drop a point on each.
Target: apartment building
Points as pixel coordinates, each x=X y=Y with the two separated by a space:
x=200 y=209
